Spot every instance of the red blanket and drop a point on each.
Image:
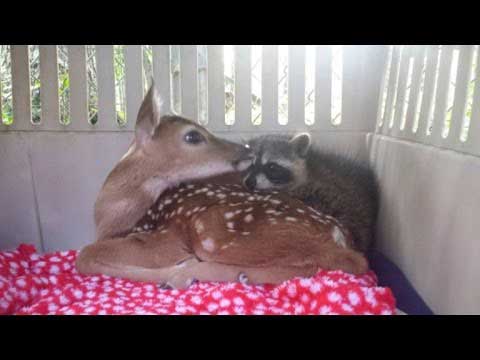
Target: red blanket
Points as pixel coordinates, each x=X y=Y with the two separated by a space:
x=31 y=283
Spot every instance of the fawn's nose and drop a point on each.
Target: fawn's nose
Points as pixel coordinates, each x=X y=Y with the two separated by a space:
x=246 y=153
x=250 y=182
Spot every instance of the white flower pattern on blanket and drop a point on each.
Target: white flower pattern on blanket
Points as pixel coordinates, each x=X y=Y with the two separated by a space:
x=49 y=284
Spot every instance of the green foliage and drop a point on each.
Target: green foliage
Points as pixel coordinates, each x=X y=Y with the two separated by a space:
x=119 y=83
x=120 y=90
x=6 y=85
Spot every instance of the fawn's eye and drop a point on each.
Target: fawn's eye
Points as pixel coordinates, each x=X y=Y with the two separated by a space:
x=194 y=137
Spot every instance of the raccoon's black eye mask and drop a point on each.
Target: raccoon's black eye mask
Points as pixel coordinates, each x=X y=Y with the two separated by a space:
x=277 y=174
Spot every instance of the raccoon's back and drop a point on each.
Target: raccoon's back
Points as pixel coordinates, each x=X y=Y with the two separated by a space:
x=346 y=189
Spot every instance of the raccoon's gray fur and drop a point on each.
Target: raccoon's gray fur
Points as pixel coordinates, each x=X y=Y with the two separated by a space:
x=329 y=182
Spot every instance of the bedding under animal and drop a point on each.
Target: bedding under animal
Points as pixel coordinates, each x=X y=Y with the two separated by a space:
x=48 y=284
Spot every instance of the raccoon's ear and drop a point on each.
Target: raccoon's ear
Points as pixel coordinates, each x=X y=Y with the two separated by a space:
x=301 y=143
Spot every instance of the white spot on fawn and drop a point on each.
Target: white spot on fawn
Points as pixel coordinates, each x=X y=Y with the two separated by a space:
x=289 y=218
x=208 y=244
x=228 y=215
x=199 y=226
x=338 y=236
x=230 y=225
x=248 y=218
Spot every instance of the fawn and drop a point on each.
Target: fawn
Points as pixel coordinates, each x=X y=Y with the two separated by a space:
x=165 y=215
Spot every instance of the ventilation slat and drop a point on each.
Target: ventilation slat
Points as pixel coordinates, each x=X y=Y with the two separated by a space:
x=296 y=88
x=392 y=83
x=473 y=140
x=351 y=93
x=77 y=63
x=161 y=73
x=323 y=87
x=427 y=99
x=50 y=103
x=270 y=87
x=20 y=88
x=418 y=53
x=188 y=73
x=133 y=82
x=369 y=81
x=397 y=112
x=441 y=96
x=375 y=57
x=461 y=90
x=243 y=88
x=384 y=84
x=106 y=88
x=216 y=88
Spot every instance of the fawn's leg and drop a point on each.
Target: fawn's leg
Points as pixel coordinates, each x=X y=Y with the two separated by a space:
x=166 y=261
x=138 y=256
x=333 y=258
x=163 y=258
x=212 y=271
x=153 y=257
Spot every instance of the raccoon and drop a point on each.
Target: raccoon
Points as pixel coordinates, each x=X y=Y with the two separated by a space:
x=331 y=183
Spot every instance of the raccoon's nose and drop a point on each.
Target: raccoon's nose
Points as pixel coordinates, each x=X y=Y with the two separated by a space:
x=250 y=183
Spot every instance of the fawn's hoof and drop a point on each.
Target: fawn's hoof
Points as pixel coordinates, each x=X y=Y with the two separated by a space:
x=243 y=278
x=190 y=282
x=166 y=286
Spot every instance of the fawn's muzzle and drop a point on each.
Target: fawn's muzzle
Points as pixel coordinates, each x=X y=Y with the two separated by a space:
x=244 y=158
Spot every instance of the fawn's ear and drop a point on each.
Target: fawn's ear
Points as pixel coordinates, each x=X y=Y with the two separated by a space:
x=149 y=116
x=301 y=143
